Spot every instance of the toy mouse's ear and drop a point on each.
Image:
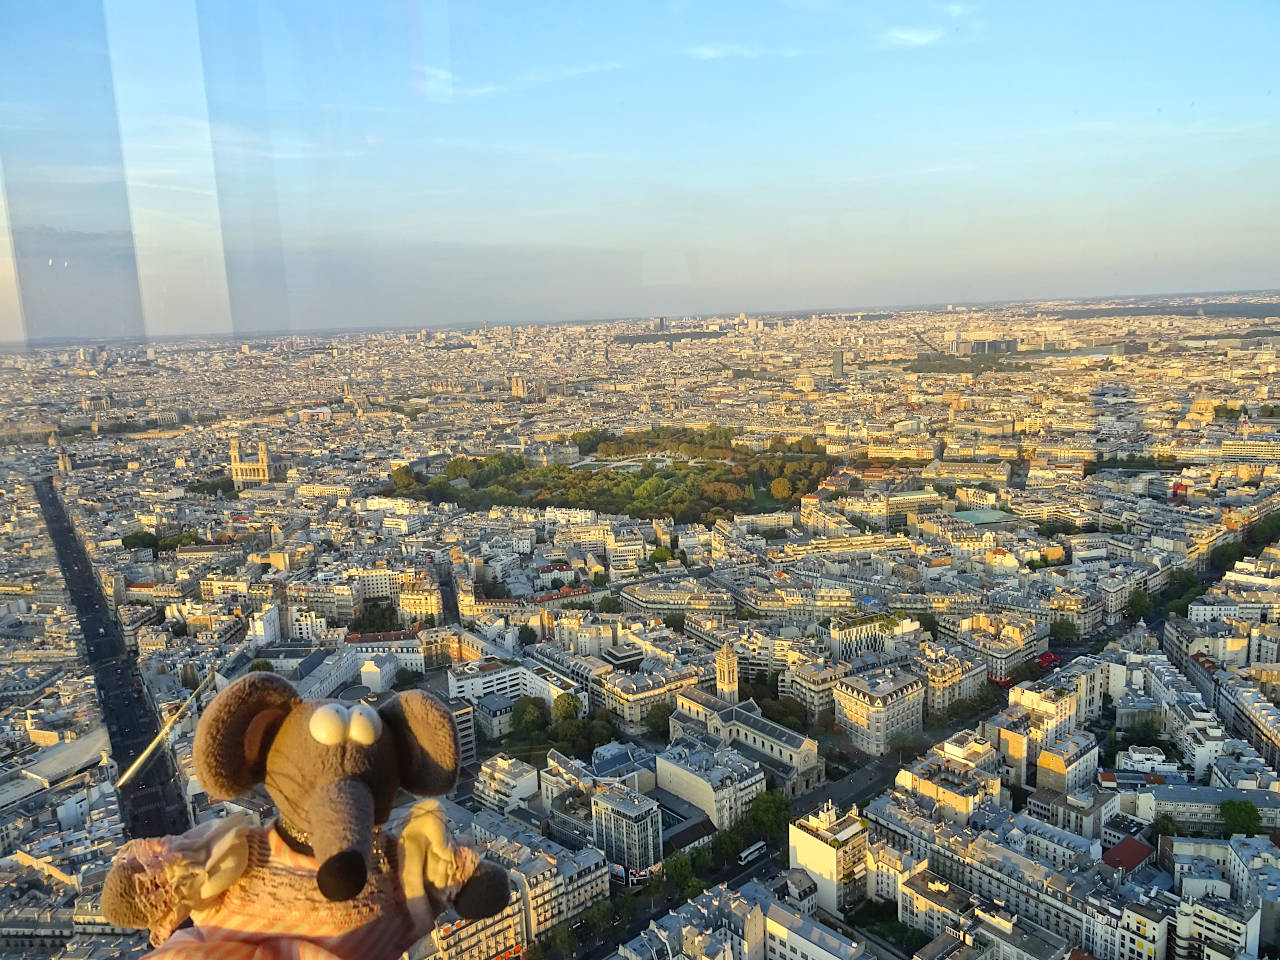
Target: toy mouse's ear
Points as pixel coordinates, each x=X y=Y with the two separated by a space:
x=235 y=733
x=426 y=742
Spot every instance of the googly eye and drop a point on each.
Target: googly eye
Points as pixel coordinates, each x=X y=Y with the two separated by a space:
x=365 y=725
x=329 y=724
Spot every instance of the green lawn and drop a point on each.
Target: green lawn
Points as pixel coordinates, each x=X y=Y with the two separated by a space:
x=881 y=919
x=764 y=501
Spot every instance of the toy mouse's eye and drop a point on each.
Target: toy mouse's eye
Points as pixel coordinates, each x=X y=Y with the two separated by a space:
x=365 y=725
x=329 y=724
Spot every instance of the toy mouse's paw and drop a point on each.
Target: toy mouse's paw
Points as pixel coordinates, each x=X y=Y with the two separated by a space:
x=146 y=889
x=486 y=893
x=123 y=900
x=156 y=882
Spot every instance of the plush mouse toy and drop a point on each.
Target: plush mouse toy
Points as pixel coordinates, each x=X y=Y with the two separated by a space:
x=323 y=881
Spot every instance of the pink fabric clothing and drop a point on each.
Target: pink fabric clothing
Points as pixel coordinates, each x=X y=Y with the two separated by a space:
x=275 y=911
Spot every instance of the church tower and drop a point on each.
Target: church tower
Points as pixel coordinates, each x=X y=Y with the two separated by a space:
x=727 y=674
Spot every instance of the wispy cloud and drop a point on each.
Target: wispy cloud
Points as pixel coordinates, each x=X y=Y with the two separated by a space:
x=724 y=51
x=241 y=141
x=578 y=71
x=442 y=86
x=911 y=36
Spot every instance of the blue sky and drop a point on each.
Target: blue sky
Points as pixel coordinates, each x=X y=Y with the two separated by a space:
x=314 y=164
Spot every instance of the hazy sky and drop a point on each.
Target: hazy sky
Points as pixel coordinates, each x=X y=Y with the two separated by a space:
x=194 y=165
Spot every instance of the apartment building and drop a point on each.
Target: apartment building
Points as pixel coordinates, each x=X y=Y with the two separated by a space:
x=1051 y=710
x=958 y=776
x=550 y=884
x=879 y=705
x=1003 y=641
x=749 y=922
x=474 y=679
x=419 y=600
x=1214 y=928
x=553 y=883
x=812 y=683
x=630 y=696
x=1067 y=764
x=343 y=600
x=505 y=783
x=721 y=783
x=831 y=847
x=951 y=674
x=683 y=596
x=888 y=867
x=464 y=722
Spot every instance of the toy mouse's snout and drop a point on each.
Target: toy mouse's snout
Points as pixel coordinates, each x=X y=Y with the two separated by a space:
x=340 y=816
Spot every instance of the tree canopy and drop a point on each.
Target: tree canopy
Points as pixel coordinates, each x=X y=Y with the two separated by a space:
x=657 y=719
x=1164 y=826
x=376 y=618
x=566 y=707
x=719 y=480
x=1063 y=631
x=529 y=715
x=1240 y=816
x=1140 y=605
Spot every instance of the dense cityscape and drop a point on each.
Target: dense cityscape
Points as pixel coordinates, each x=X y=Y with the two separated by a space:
x=944 y=633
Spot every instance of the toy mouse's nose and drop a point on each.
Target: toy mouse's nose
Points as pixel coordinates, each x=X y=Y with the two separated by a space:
x=342 y=876
x=340 y=822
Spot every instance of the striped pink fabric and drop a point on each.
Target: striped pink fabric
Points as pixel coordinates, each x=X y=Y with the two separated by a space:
x=276 y=912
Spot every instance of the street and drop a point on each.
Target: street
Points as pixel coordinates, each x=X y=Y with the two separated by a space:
x=150 y=803
x=449 y=600
x=858 y=786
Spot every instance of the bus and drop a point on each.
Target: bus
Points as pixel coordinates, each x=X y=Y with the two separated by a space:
x=752 y=852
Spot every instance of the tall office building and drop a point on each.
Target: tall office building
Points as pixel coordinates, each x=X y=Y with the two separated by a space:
x=832 y=848
x=465 y=721
x=628 y=828
x=837 y=365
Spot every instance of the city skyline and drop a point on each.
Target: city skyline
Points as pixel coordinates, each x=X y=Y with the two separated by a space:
x=434 y=164
x=1260 y=308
